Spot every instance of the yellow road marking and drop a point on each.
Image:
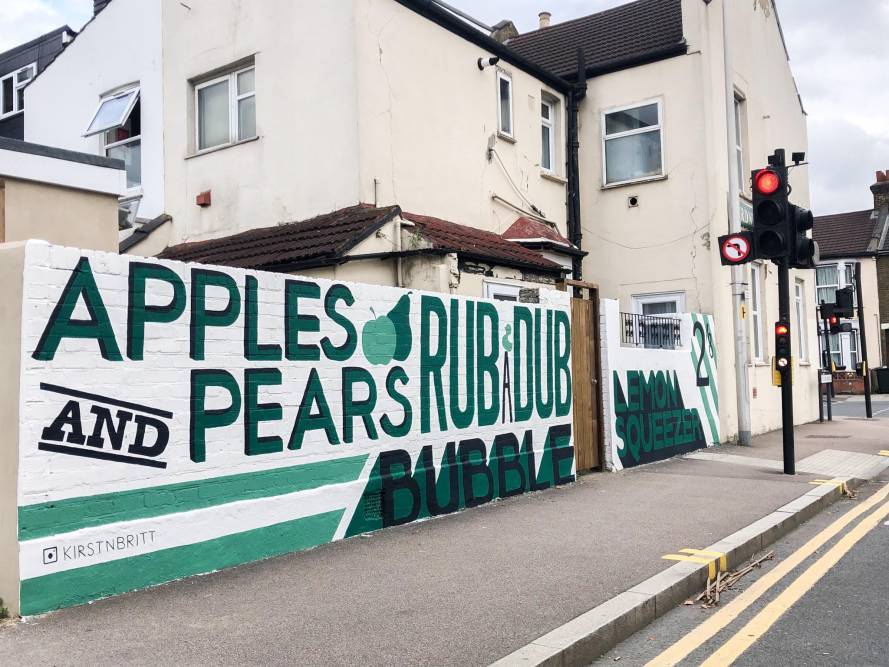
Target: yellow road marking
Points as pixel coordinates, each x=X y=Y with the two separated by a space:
x=723 y=561
x=835 y=482
x=765 y=619
x=694 y=559
x=884 y=452
x=709 y=628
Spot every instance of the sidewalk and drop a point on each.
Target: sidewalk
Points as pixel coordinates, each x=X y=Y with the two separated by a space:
x=465 y=589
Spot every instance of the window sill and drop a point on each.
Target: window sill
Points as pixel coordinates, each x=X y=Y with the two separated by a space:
x=216 y=149
x=805 y=363
x=555 y=178
x=505 y=137
x=638 y=181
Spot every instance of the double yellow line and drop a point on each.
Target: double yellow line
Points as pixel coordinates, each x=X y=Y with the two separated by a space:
x=759 y=624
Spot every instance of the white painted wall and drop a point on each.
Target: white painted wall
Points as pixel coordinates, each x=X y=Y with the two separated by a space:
x=120 y=46
x=667 y=243
x=426 y=114
x=305 y=160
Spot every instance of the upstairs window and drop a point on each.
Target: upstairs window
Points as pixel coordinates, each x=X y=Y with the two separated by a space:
x=114 y=110
x=119 y=119
x=226 y=109
x=631 y=143
x=740 y=135
x=504 y=104
x=548 y=135
x=757 y=312
x=12 y=90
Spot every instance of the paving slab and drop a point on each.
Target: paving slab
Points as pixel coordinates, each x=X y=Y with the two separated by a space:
x=469 y=588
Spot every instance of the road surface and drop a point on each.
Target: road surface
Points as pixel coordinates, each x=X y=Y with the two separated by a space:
x=828 y=609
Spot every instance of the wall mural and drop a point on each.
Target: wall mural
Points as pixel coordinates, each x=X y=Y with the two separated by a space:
x=178 y=419
x=662 y=402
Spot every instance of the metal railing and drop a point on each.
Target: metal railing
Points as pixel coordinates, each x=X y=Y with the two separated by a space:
x=651 y=331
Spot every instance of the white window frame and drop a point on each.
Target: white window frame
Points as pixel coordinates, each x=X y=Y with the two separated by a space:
x=606 y=137
x=756 y=312
x=493 y=289
x=17 y=85
x=233 y=99
x=739 y=142
x=504 y=76
x=550 y=125
x=134 y=91
x=678 y=298
x=802 y=339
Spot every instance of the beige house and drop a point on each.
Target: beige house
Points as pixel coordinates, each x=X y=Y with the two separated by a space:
x=654 y=170
x=244 y=116
x=847 y=240
x=60 y=196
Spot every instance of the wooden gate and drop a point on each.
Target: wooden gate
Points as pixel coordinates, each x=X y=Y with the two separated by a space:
x=586 y=372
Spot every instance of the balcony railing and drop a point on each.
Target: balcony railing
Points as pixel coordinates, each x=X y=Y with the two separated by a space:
x=650 y=331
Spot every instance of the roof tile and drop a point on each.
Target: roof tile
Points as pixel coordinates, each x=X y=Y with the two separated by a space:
x=329 y=235
x=478 y=244
x=844 y=234
x=636 y=30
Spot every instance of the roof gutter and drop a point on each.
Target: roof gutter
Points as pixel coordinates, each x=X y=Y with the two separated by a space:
x=444 y=18
x=321 y=262
x=678 y=49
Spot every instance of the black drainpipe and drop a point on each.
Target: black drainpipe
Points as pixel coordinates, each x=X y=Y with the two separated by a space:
x=575 y=96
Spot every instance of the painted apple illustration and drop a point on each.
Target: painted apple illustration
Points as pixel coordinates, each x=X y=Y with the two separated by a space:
x=378 y=339
x=389 y=336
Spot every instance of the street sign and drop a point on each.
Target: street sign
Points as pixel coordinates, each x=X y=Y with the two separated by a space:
x=826 y=378
x=736 y=248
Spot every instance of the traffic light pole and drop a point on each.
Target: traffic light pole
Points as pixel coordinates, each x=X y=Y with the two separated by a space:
x=827 y=367
x=787 y=371
x=862 y=330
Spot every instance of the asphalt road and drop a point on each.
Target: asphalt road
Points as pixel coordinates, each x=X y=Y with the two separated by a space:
x=840 y=620
x=854 y=407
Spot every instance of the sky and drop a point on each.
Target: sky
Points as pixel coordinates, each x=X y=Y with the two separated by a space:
x=840 y=62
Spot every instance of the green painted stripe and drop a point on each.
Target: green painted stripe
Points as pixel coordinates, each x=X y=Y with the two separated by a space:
x=710 y=374
x=62 y=516
x=64 y=589
x=714 y=432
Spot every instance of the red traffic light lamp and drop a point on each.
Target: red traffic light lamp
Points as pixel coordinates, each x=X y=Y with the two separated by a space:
x=766 y=182
x=782 y=345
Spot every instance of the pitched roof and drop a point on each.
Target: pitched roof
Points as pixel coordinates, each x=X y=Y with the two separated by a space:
x=845 y=234
x=625 y=36
x=327 y=236
x=527 y=229
x=472 y=243
x=327 y=239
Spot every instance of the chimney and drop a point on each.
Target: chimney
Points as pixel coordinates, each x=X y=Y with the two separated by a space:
x=544 y=19
x=881 y=190
x=504 y=31
x=99 y=5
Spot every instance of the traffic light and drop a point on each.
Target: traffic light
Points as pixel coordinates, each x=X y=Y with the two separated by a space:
x=845 y=305
x=837 y=327
x=771 y=233
x=804 y=251
x=782 y=345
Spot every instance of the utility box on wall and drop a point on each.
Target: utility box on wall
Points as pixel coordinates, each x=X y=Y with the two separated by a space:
x=179 y=419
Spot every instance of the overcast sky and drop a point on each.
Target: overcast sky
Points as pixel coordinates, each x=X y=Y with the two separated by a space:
x=837 y=48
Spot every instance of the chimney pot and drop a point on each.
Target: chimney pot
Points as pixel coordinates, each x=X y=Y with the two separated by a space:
x=882 y=176
x=545 y=18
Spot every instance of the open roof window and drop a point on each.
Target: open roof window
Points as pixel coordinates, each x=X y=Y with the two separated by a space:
x=113 y=111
